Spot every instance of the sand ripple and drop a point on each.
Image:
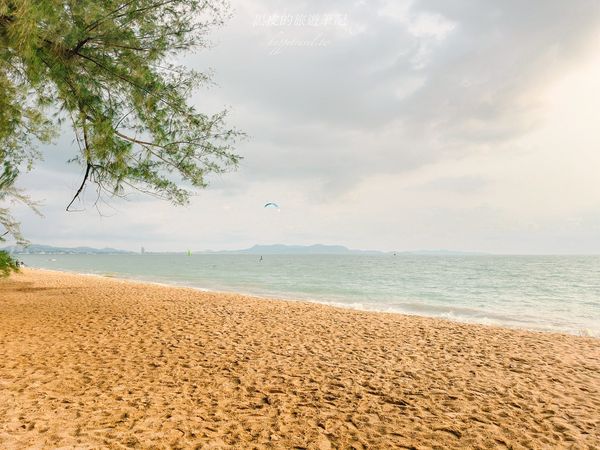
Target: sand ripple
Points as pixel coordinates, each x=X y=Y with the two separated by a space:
x=88 y=362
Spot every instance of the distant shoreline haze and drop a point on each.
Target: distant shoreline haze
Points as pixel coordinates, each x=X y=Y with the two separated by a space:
x=274 y=249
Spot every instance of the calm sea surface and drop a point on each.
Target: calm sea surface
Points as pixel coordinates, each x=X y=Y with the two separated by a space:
x=554 y=293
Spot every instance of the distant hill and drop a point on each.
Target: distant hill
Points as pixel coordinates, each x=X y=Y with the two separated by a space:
x=36 y=249
x=317 y=249
x=320 y=249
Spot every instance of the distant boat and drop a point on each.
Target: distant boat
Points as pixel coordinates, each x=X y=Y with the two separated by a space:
x=189 y=253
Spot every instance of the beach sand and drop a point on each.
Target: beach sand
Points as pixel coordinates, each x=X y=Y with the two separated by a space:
x=92 y=362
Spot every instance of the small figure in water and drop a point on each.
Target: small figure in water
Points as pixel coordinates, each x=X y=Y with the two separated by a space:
x=260 y=260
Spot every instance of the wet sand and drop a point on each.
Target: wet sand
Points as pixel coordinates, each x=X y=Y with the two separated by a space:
x=91 y=362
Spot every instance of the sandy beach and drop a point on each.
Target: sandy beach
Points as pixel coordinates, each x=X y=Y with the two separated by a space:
x=92 y=362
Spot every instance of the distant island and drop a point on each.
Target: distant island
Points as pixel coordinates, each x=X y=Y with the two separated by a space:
x=274 y=249
x=316 y=249
x=320 y=249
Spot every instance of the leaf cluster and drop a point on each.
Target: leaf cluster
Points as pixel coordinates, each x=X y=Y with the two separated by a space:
x=106 y=66
x=7 y=264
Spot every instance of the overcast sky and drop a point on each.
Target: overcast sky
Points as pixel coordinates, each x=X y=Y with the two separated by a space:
x=393 y=125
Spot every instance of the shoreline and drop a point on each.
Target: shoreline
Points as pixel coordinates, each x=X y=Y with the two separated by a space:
x=90 y=361
x=332 y=304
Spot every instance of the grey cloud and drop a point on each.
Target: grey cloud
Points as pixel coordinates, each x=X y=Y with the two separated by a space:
x=499 y=52
x=320 y=112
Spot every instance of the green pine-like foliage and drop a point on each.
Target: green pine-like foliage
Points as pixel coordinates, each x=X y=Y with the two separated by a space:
x=7 y=264
x=106 y=67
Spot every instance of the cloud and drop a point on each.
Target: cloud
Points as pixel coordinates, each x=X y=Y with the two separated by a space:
x=441 y=107
x=323 y=110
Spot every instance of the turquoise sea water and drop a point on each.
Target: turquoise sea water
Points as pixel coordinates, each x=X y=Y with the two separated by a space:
x=553 y=293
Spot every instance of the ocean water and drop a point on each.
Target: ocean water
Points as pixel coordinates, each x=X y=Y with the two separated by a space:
x=551 y=293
